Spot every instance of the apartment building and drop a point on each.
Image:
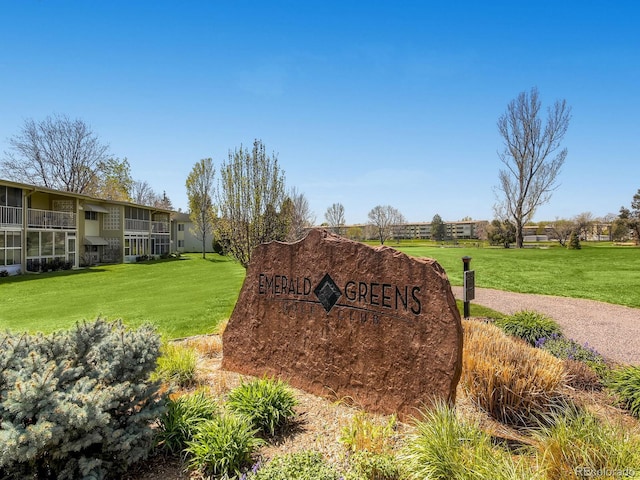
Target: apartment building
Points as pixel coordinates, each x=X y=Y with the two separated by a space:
x=41 y=227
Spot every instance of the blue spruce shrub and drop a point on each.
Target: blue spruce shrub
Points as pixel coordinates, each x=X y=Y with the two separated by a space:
x=77 y=404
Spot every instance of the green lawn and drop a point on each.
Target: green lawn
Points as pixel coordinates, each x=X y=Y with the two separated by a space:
x=182 y=297
x=191 y=296
x=598 y=271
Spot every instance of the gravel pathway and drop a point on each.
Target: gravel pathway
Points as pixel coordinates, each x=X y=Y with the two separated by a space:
x=613 y=330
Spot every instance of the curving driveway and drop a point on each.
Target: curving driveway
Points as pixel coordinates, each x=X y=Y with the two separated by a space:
x=613 y=330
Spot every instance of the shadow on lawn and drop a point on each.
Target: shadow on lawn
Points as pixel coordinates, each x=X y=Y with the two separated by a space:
x=28 y=277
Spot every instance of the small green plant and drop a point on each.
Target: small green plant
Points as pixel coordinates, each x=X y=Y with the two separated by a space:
x=625 y=382
x=529 y=326
x=267 y=403
x=177 y=364
x=365 y=465
x=362 y=434
x=305 y=465
x=577 y=443
x=568 y=349
x=184 y=413
x=223 y=446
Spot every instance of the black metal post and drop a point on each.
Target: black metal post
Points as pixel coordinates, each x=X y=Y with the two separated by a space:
x=465 y=267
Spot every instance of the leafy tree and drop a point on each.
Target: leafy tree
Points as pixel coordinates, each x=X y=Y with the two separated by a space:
x=250 y=198
x=631 y=217
x=335 y=217
x=438 y=230
x=532 y=157
x=384 y=220
x=501 y=233
x=114 y=182
x=57 y=153
x=200 y=194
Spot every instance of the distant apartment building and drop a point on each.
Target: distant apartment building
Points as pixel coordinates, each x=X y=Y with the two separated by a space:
x=40 y=227
x=421 y=230
x=185 y=241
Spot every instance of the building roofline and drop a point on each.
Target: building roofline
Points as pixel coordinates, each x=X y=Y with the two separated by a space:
x=82 y=196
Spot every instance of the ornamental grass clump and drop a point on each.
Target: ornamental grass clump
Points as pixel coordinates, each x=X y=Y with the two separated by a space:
x=577 y=445
x=445 y=448
x=267 y=403
x=529 y=326
x=222 y=447
x=184 y=413
x=625 y=382
x=77 y=404
x=177 y=364
x=509 y=380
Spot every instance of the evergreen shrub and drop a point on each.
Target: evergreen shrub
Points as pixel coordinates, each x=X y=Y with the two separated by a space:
x=529 y=326
x=267 y=403
x=77 y=404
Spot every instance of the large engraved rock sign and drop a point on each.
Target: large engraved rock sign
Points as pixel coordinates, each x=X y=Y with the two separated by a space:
x=341 y=319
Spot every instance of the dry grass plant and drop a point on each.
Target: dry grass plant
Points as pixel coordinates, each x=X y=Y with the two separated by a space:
x=366 y=433
x=209 y=346
x=509 y=380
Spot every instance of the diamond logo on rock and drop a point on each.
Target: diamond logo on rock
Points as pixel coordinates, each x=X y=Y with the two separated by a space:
x=327 y=292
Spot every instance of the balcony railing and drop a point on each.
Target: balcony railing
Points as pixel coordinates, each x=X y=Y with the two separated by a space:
x=11 y=216
x=159 y=227
x=136 y=225
x=51 y=219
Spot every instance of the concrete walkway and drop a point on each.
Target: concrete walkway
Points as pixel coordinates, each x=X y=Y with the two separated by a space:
x=612 y=330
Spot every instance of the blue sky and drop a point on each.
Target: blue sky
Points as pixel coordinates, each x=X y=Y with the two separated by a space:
x=365 y=102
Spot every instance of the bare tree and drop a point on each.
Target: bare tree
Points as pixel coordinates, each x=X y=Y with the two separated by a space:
x=301 y=215
x=250 y=197
x=584 y=225
x=335 y=217
x=57 y=153
x=200 y=190
x=561 y=230
x=532 y=157
x=142 y=193
x=385 y=219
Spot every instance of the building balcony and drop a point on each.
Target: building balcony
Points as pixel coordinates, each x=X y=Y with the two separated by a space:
x=10 y=216
x=49 y=219
x=132 y=225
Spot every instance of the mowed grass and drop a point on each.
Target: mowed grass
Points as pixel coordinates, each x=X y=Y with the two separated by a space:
x=181 y=297
x=599 y=272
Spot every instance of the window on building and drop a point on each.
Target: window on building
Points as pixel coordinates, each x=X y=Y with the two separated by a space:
x=180 y=243
x=10 y=248
x=181 y=227
x=91 y=215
